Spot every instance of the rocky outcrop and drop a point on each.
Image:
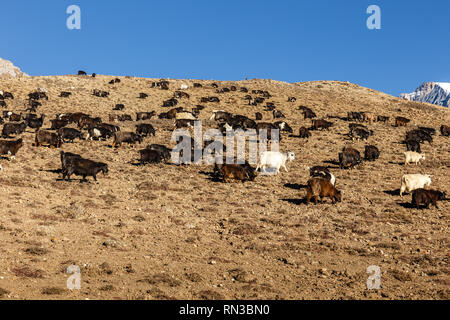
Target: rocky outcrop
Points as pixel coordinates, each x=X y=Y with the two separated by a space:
x=9 y=71
x=431 y=92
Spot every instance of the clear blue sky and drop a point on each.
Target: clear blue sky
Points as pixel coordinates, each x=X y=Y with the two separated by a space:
x=288 y=40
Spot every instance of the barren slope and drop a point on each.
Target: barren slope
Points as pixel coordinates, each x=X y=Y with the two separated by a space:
x=163 y=231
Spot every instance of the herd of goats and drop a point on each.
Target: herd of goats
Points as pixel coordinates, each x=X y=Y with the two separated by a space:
x=322 y=183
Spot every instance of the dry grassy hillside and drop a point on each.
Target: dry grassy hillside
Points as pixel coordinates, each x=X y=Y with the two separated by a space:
x=169 y=232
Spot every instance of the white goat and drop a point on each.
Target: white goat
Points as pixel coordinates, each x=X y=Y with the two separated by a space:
x=411 y=182
x=413 y=157
x=272 y=159
x=185 y=115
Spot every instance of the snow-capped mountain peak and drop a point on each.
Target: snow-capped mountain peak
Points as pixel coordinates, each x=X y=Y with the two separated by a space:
x=431 y=92
x=444 y=85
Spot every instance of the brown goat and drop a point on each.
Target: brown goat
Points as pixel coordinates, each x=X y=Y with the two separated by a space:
x=129 y=137
x=426 y=197
x=10 y=147
x=318 y=187
x=86 y=122
x=83 y=167
x=369 y=117
x=401 y=121
x=304 y=133
x=51 y=139
x=321 y=124
x=445 y=130
x=58 y=124
x=236 y=172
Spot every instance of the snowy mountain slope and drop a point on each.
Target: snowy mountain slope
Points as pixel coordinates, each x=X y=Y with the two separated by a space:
x=431 y=92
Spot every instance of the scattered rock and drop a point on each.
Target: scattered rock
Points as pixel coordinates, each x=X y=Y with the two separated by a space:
x=107 y=287
x=44 y=230
x=210 y=295
x=401 y=275
x=52 y=291
x=161 y=278
x=3 y=292
x=139 y=218
x=26 y=272
x=194 y=277
x=324 y=271
x=36 y=251
x=106 y=268
x=240 y=275
x=110 y=243
x=129 y=268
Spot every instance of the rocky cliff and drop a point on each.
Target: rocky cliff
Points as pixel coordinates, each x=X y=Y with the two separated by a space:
x=8 y=70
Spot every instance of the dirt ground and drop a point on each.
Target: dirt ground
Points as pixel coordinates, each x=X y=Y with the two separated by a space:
x=171 y=232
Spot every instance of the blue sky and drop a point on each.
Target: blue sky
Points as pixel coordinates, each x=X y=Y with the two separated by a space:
x=288 y=40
